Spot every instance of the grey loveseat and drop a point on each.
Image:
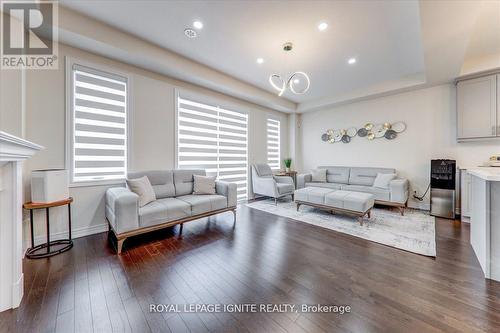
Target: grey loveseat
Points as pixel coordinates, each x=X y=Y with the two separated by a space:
x=360 y=179
x=175 y=203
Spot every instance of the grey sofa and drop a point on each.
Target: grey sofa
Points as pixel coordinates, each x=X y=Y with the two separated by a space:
x=175 y=203
x=360 y=179
x=264 y=183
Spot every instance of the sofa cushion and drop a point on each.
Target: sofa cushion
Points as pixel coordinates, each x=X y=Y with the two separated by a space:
x=263 y=170
x=354 y=201
x=161 y=180
x=366 y=176
x=284 y=188
x=318 y=175
x=204 y=203
x=163 y=210
x=204 y=184
x=379 y=193
x=337 y=174
x=183 y=181
x=334 y=186
x=312 y=194
x=142 y=187
x=383 y=180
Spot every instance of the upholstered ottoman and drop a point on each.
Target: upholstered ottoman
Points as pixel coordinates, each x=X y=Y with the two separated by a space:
x=354 y=203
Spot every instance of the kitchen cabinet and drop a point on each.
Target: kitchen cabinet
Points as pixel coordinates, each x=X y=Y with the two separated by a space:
x=485 y=220
x=478 y=113
x=465 y=194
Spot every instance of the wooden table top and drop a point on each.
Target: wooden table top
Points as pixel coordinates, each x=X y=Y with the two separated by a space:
x=35 y=205
x=285 y=173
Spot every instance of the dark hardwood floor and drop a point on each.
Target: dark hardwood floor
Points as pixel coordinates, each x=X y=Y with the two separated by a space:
x=263 y=259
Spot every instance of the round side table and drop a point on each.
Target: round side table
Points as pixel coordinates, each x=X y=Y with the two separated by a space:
x=50 y=248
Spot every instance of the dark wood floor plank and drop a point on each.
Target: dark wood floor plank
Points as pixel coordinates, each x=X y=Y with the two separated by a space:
x=65 y=322
x=261 y=259
x=83 y=310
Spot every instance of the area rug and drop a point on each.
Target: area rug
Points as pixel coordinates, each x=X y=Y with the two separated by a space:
x=414 y=232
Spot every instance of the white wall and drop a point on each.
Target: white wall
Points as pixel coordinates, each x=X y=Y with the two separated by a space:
x=11 y=97
x=11 y=102
x=153 y=111
x=431 y=132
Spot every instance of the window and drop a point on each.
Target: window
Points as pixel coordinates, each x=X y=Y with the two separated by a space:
x=215 y=139
x=97 y=125
x=273 y=143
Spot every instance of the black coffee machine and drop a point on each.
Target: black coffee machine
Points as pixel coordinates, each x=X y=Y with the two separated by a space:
x=443 y=188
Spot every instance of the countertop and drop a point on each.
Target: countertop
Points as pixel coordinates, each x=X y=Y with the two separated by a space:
x=486 y=173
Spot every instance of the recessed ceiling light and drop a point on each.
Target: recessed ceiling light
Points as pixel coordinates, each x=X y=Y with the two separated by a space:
x=351 y=61
x=322 y=26
x=260 y=60
x=198 y=25
x=296 y=81
x=190 y=33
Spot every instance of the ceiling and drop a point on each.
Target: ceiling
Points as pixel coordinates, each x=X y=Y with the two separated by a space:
x=392 y=48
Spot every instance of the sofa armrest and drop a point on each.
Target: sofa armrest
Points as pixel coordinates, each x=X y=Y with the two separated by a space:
x=265 y=186
x=229 y=190
x=302 y=179
x=122 y=209
x=283 y=179
x=399 y=190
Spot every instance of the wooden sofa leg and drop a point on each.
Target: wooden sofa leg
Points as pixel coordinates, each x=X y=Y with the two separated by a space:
x=298 y=205
x=369 y=214
x=120 y=245
x=402 y=211
x=181 y=227
x=234 y=215
x=360 y=219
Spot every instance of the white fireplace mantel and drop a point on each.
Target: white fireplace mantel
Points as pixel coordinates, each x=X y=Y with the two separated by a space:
x=13 y=151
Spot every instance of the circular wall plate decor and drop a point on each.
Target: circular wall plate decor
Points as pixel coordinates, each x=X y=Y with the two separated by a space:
x=390 y=134
x=352 y=131
x=378 y=130
x=362 y=132
x=399 y=127
x=346 y=138
x=337 y=136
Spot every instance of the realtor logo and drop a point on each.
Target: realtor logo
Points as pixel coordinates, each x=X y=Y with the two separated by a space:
x=29 y=35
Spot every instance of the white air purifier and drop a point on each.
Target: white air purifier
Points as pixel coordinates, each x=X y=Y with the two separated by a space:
x=49 y=185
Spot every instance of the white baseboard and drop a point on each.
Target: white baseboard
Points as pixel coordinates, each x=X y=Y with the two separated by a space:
x=75 y=233
x=18 y=291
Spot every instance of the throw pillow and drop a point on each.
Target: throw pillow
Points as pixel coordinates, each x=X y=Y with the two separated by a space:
x=319 y=175
x=142 y=187
x=383 y=180
x=204 y=185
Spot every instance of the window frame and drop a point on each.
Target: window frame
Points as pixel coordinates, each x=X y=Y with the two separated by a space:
x=212 y=101
x=69 y=120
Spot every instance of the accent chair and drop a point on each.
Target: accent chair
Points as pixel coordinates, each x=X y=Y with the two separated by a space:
x=265 y=183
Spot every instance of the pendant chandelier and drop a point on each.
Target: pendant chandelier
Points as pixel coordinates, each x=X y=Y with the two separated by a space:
x=281 y=85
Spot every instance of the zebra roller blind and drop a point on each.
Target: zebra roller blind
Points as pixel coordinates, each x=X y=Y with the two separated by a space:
x=214 y=139
x=273 y=143
x=99 y=125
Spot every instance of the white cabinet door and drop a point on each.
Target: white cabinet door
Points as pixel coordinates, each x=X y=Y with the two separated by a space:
x=498 y=104
x=477 y=108
x=465 y=193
